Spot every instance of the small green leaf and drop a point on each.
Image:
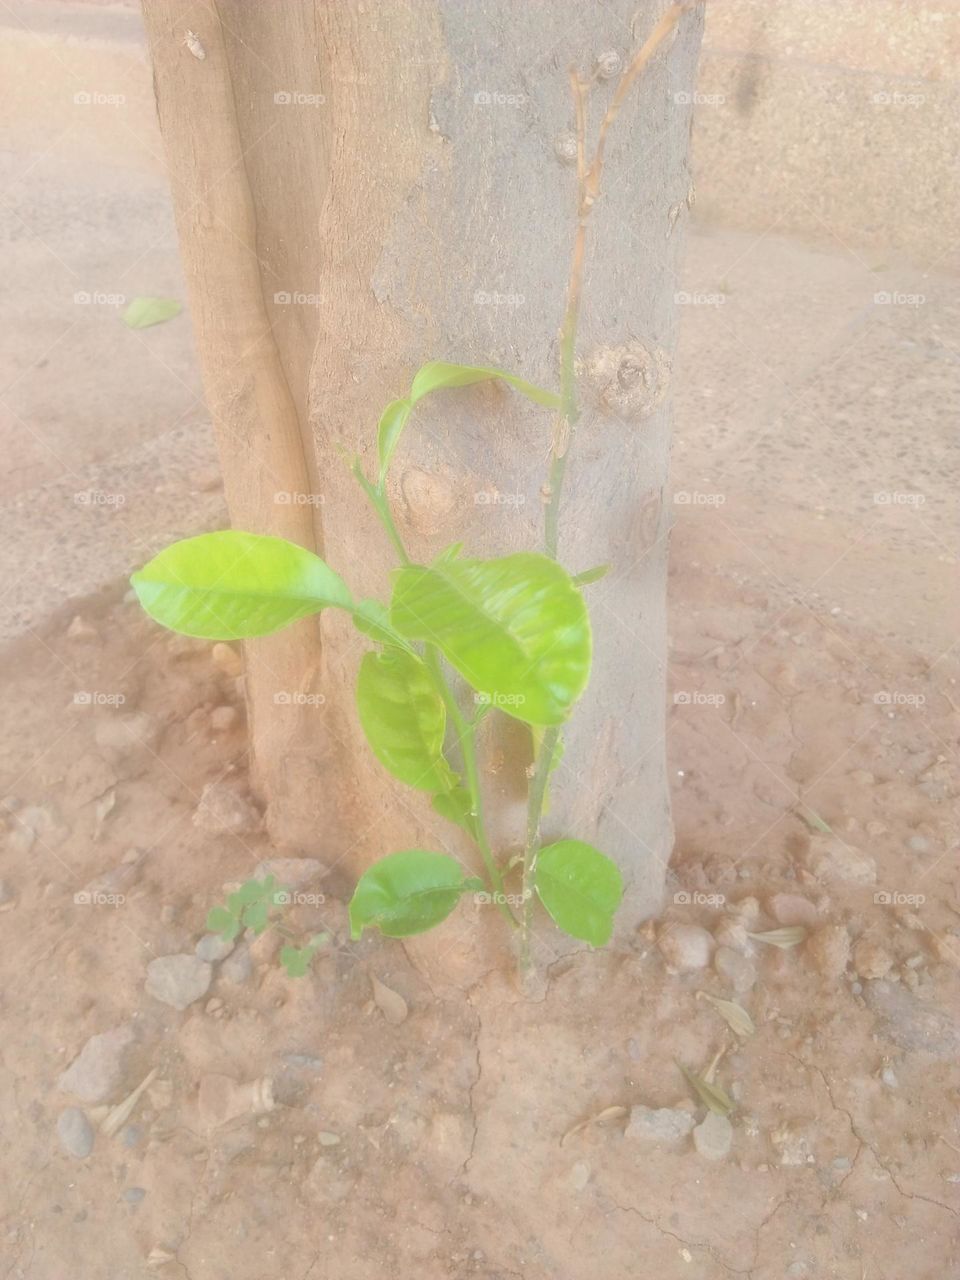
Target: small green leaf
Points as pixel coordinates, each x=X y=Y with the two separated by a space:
x=256 y=916
x=581 y=889
x=733 y=1014
x=406 y=893
x=789 y=936
x=456 y=806
x=590 y=575
x=143 y=312
x=404 y=719
x=228 y=585
x=515 y=628
x=224 y=922
x=432 y=377
x=296 y=960
x=711 y=1095
x=813 y=820
x=390 y=428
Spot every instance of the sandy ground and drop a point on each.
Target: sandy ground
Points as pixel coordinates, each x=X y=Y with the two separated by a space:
x=813 y=684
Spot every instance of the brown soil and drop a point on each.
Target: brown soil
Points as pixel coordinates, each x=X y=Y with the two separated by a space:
x=810 y=670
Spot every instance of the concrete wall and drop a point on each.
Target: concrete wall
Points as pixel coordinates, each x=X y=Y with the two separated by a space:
x=835 y=120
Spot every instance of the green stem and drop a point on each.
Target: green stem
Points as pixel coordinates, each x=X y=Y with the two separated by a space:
x=466 y=732
x=466 y=736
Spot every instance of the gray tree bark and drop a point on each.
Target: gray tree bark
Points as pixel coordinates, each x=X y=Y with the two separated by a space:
x=413 y=179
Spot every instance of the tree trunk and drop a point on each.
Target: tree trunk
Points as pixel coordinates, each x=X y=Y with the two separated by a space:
x=428 y=201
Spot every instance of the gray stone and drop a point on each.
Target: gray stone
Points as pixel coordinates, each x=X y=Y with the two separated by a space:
x=75 y=1133
x=735 y=969
x=792 y=908
x=659 y=1124
x=96 y=1074
x=238 y=967
x=178 y=980
x=213 y=948
x=685 y=947
x=133 y=1195
x=713 y=1137
x=911 y=1024
x=225 y=808
x=832 y=860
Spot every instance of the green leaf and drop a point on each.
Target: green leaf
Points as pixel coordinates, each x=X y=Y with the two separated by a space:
x=143 y=312
x=580 y=888
x=373 y=619
x=228 y=585
x=226 y=923
x=390 y=428
x=432 y=377
x=296 y=960
x=256 y=916
x=404 y=719
x=406 y=893
x=515 y=628
x=456 y=806
x=710 y=1094
x=590 y=575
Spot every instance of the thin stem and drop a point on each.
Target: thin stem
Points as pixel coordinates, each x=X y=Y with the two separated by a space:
x=466 y=731
x=466 y=736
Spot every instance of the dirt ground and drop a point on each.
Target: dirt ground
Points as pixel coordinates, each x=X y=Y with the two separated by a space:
x=813 y=684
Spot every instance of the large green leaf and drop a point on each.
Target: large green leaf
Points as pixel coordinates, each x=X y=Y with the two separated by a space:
x=404 y=719
x=228 y=585
x=580 y=888
x=406 y=893
x=515 y=628
x=432 y=377
x=373 y=619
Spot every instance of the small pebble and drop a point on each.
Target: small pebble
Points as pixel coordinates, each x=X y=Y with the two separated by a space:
x=713 y=1137
x=238 y=967
x=178 y=980
x=328 y=1139
x=75 y=1133
x=133 y=1195
x=213 y=948
x=685 y=947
